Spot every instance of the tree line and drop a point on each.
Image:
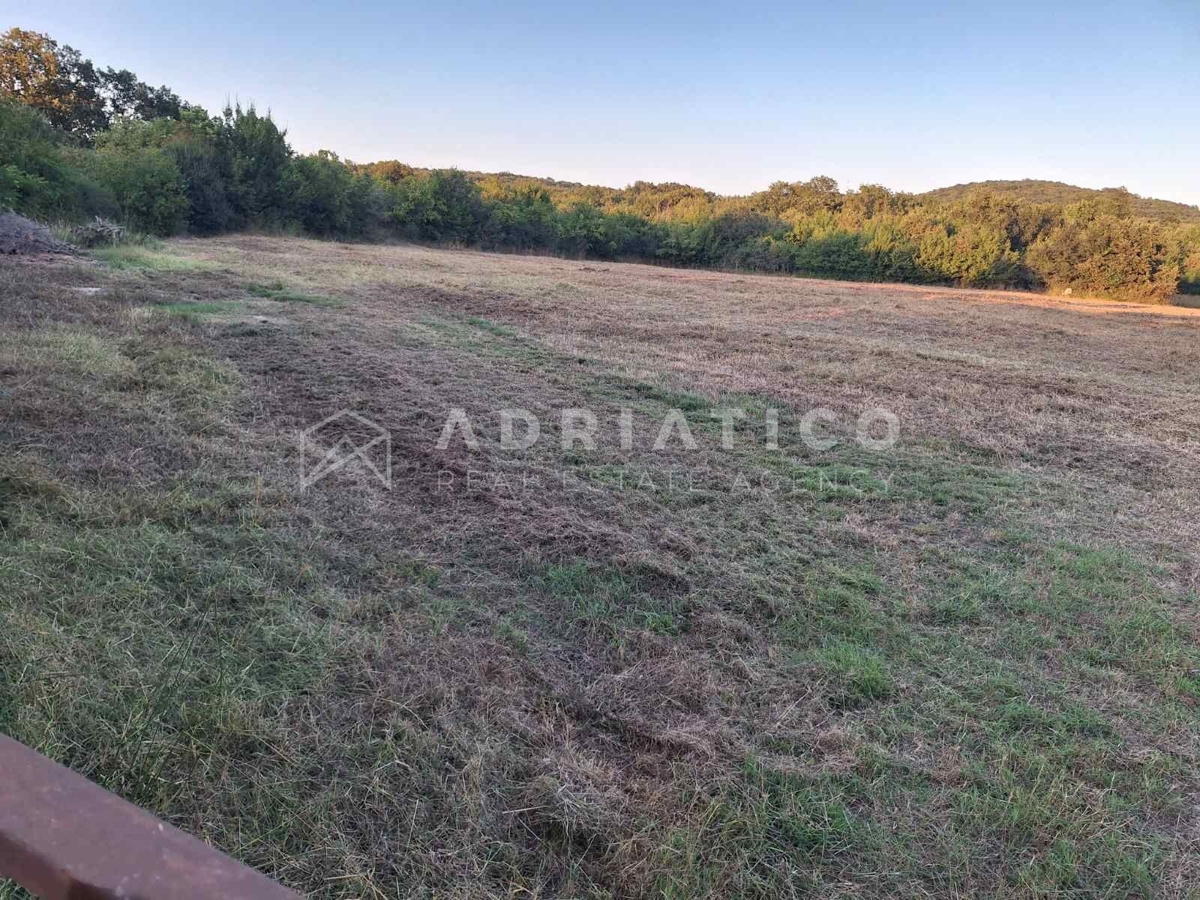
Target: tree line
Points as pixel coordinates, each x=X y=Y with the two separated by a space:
x=77 y=141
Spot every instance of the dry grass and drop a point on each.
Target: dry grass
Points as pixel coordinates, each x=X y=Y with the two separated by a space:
x=963 y=666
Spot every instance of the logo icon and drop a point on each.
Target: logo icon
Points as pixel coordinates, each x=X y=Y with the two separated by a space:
x=341 y=439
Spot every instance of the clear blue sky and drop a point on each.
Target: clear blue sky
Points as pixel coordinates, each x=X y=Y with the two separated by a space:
x=730 y=97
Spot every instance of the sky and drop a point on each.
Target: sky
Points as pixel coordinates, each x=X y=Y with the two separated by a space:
x=726 y=96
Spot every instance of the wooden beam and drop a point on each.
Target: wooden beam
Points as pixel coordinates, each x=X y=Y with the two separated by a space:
x=63 y=837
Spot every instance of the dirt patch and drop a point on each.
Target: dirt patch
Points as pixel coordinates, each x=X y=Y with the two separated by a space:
x=21 y=235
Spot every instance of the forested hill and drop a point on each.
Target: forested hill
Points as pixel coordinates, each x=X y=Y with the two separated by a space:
x=1032 y=190
x=655 y=198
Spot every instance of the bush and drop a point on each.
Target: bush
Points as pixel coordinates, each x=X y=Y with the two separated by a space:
x=444 y=206
x=191 y=145
x=969 y=255
x=833 y=254
x=1109 y=257
x=36 y=176
x=581 y=232
x=523 y=218
x=317 y=188
x=892 y=252
x=1189 y=252
x=204 y=183
x=256 y=154
x=327 y=198
x=148 y=188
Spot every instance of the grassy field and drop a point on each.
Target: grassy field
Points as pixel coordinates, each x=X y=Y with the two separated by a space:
x=964 y=665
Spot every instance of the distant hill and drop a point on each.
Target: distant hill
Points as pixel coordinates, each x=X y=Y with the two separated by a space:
x=1059 y=193
x=1028 y=189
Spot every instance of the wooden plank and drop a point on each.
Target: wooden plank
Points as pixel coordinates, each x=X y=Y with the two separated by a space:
x=64 y=838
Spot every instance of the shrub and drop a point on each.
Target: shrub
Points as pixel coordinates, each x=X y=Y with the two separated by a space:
x=969 y=255
x=521 y=217
x=319 y=191
x=585 y=230
x=1189 y=252
x=444 y=206
x=326 y=197
x=257 y=155
x=581 y=232
x=726 y=232
x=148 y=188
x=1109 y=257
x=833 y=254
x=36 y=176
x=205 y=180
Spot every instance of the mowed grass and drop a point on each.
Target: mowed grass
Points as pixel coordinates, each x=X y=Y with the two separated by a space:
x=277 y=291
x=952 y=668
x=152 y=257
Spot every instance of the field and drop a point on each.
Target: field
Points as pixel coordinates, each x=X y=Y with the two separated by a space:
x=962 y=665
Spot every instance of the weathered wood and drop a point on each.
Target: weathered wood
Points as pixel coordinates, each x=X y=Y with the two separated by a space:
x=64 y=838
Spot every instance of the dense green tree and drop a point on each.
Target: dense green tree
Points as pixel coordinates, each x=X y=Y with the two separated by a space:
x=666 y=202
x=1109 y=256
x=191 y=143
x=55 y=80
x=389 y=171
x=581 y=231
x=1189 y=253
x=869 y=201
x=973 y=255
x=446 y=205
x=147 y=185
x=791 y=200
x=205 y=174
x=70 y=91
x=521 y=217
x=258 y=154
x=327 y=198
x=132 y=99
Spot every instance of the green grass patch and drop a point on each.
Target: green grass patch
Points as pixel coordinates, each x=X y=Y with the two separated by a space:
x=602 y=598
x=65 y=350
x=764 y=834
x=132 y=257
x=199 y=310
x=492 y=328
x=684 y=401
x=185 y=382
x=489 y=340
x=277 y=291
x=163 y=645
x=835 y=481
x=859 y=674
x=1054 y=837
x=178 y=386
x=970 y=488
x=810 y=601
